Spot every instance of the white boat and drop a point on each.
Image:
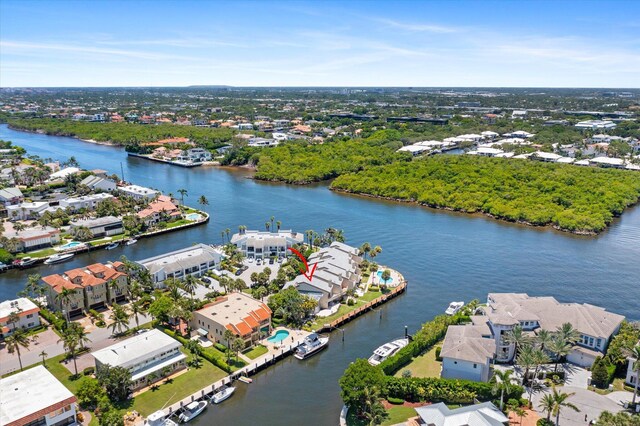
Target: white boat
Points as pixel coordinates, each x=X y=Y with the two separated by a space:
x=386 y=350
x=158 y=419
x=222 y=394
x=454 y=307
x=25 y=262
x=131 y=242
x=112 y=246
x=312 y=344
x=245 y=379
x=58 y=258
x=192 y=410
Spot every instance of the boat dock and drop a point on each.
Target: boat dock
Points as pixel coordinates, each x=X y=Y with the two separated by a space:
x=187 y=164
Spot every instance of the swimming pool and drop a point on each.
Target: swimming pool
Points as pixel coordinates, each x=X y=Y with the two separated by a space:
x=388 y=281
x=194 y=216
x=71 y=244
x=279 y=336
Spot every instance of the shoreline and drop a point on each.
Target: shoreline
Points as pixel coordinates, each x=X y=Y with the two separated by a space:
x=479 y=213
x=42 y=132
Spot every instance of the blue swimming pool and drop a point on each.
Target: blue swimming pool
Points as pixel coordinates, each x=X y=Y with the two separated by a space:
x=388 y=281
x=194 y=216
x=71 y=244
x=279 y=336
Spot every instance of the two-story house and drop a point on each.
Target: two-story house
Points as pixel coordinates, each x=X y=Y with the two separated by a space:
x=15 y=314
x=264 y=244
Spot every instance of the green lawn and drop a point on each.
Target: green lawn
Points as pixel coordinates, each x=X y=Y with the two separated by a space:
x=424 y=365
x=177 y=223
x=256 y=351
x=397 y=414
x=37 y=254
x=367 y=297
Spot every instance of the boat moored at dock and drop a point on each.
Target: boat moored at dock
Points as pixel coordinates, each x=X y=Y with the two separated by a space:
x=312 y=344
x=58 y=258
x=386 y=350
x=454 y=307
x=192 y=410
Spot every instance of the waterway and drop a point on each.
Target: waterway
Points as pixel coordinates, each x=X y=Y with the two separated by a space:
x=444 y=256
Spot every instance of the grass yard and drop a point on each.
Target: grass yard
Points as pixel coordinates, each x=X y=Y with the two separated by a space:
x=37 y=254
x=397 y=414
x=424 y=365
x=177 y=223
x=256 y=351
x=344 y=308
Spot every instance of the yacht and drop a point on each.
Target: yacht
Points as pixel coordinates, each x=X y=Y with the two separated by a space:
x=454 y=307
x=222 y=394
x=157 y=419
x=131 y=242
x=112 y=246
x=312 y=344
x=58 y=258
x=192 y=410
x=386 y=350
x=25 y=262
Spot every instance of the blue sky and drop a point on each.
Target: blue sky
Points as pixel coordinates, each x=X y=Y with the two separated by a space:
x=369 y=43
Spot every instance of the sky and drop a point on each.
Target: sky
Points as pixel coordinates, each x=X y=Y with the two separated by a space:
x=320 y=43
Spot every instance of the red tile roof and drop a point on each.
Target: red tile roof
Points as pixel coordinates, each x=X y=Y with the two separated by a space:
x=41 y=413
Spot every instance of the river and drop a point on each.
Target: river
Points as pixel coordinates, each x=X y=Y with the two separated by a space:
x=445 y=256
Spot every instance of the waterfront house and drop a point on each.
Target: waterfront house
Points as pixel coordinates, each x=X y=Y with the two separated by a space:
x=595 y=125
x=88 y=202
x=99 y=227
x=116 y=278
x=264 y=244
x=61 y=174
x=467 y=353
x=149 y=356
x=139 y=192
x=631 y=377
x=195 y=155
x=26 y=211
x=244 y=316
x=98 y=183
x=485 y=414
x=27 y=318
x=94 y=288
x=11 y=196
x=160 y=209
x=34 y=238
x=195 y=260
x=35 y=397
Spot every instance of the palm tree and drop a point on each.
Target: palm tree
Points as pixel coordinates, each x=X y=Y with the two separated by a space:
x=560 y=400
x=18 y=339
x=75 y=338
x=137 y=308
x=502 y=382
x=543 y=339
x=365 y=249
x=260 y=292
x=267 y=225
x=271 y=219
x=635 y=354
x=526 y=360
x=64 y=298
x=189 y=285
x=183 y=193
x=539 y=358
x=375 y=251
x=203 y=201
x=222 y=235
x=228 y=231
x=120 y=318
x=228 y=336
x=547 y=404
x=559 y=348
x=568 y=334
x=43 y=355
x=278 y=225
x=237 y=345
x=517 y=338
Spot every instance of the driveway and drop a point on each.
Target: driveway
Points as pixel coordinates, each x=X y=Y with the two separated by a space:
x=253 y=267
x=620 y=397
x=589 y=403
x=574 y=376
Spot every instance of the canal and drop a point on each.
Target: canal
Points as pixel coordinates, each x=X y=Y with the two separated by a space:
x=444 y=256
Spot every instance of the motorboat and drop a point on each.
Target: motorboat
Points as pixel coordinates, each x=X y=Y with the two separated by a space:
x=112 y=246
x=245 y=379
x=58 y=258
x=386 y=350
x=222 y=394
x=454 y=307
x=158 y=419
x=25 y=262
x=131 y=242
x=312 y=344
x=192 y=410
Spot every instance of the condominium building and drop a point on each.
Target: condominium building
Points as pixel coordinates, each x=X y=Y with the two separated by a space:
x=149 y=356
x=100 y=226
x=264 y=244
x=139 y=192
x=26 y=211
x=34 y=397
x=240 y=313
x=27 y=315
x=194 y=260
x=35 y=238
x=88 y=202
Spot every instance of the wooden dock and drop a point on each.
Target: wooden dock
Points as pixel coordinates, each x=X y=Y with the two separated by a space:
x=160 y=160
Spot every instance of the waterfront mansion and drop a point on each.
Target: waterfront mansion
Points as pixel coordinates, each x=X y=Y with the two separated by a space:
x=264 y=244
x=469 y=350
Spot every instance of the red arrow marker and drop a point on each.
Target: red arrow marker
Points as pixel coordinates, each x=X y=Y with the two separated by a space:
x=308 y=274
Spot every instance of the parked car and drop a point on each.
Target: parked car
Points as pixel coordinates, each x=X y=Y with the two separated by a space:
x=250 y=260
x=239 y=272
x=259 y=262
x=271 y=261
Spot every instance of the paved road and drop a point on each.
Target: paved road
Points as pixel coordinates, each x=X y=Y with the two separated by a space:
x=590 y=404
x=48 y=342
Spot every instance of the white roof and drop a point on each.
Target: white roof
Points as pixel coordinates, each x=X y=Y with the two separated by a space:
x=64 y=173
x=486 y=150
x=547 y=155
x=137 y=189
x=182 y=259
x=566 y=160
x=18 y=305
x=30 y=391
x=608 y=160
x=9 y=193
x=485 y=414
x=135 y=349
x=584 y=162
x=414 y=148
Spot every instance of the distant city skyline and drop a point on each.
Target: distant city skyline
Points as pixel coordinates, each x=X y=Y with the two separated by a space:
x=372 y=43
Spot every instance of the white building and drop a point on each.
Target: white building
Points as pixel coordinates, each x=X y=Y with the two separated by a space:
x=195 y=155
x=467 y=352
x=596 y=124
x=485 y=414
x=27 y=315
x=9 y=196
x=99 y=227
x=35 y=397
x=24 y=211
x=139 y=192
x=616 y=163
x=88 y=202
x=194 y=260
x=63 y=173
x=264 y=244
x=632 y=375
x=35 y=238
x=99 y=183
x=548 y=157
x=149 y=356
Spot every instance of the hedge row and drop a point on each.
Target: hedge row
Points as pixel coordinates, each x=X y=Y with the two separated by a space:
x=430 y=334
x=207 y=353
x=449 y=391
x=53 y=319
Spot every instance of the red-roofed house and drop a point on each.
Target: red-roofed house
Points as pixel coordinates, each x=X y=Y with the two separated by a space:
x=240 y=313
x=158 y=209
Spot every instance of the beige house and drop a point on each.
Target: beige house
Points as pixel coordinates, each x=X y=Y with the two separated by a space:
x=115 y=276
x=240 y=313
